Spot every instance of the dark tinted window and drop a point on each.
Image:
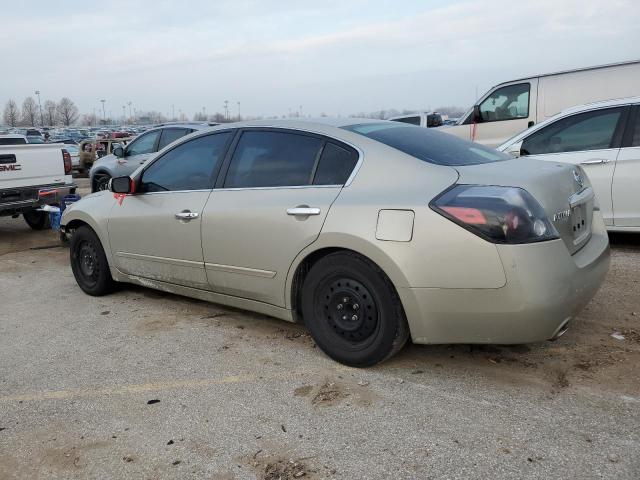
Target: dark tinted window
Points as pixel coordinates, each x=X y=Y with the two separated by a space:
x=335 y=166
x=144 y=144
x=635 y=140
x=272 y=159
x=428 y=145
x=411 y=120
x=170 y=135
x=583 y=131
x=12 y=141
x=189 y=166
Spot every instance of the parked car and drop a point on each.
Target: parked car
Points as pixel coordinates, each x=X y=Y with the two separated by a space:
x=604 y=139
x=369 y=231
x=74 y=152
x=93 y=150
x=511 y=107
x=32 y=176
x=423 y=119
x=125 y=160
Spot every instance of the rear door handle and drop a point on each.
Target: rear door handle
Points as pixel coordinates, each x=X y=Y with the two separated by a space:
x=595 y=161
x=303 y=211
x=187 y=215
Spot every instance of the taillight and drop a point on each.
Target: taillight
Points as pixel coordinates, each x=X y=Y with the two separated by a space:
x=497 y=214
x=66 y=159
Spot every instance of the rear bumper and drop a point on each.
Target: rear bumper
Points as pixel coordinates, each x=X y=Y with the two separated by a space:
x=546 y=288
x=17 y=200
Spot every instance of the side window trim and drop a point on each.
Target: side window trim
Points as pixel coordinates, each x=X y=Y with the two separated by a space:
x=231 y=149
x=215 y=174
x=633 y=124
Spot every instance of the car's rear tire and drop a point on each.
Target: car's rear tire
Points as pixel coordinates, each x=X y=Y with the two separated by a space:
x=352 y=310
x=101 y=182
x=89 y=263
x=37 y=220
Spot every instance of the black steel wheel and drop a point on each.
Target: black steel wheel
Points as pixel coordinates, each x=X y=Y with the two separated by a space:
x=89 y=263
x=352 y=310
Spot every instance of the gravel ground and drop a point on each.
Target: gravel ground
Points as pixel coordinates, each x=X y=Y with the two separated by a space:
x=143 y=384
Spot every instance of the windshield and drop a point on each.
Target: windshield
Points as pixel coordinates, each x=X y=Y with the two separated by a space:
x=428 y=145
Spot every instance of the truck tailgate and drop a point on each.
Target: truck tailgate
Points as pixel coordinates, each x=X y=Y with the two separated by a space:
x=31 y=165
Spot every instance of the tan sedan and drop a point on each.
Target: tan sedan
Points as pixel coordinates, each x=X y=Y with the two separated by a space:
x=368 y=231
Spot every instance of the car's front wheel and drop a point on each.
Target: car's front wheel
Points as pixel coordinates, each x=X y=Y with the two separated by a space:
x=352 y=310
x=89 y=263
x=101 y=182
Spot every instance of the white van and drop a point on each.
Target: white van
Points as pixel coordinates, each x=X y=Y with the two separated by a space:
x=511 y=107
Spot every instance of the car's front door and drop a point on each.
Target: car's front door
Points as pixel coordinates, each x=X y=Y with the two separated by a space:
x=589 y=139
x=626 y=179
x=278 y=188
x=155 y=233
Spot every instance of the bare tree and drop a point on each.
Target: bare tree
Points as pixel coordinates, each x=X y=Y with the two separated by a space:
x=50 y=112
x=29 y=112
x=11 y=113
x=67 y=111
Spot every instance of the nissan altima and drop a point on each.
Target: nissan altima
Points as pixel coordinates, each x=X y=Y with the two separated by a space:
x=369 y=232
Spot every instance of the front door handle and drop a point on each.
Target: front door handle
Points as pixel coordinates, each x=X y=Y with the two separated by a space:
x=595 y=161
x=187 y=215
x=303 y=211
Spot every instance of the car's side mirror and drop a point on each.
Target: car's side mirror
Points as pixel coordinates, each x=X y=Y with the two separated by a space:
x=477 y=114
x=515 y=149
x=121 y=185
x=118 y=151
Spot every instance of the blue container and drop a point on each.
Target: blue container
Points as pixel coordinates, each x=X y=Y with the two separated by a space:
x=68 y=200
x=54 y=219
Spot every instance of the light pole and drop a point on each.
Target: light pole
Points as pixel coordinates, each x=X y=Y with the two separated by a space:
x=104 y=114
x=129 y=103
x=173 y=112
x=226 y=109
x=124 y=114
x=239 y=119
x=40 y=107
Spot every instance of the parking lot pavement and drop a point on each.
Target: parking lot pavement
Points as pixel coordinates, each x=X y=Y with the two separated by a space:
x=143 y=384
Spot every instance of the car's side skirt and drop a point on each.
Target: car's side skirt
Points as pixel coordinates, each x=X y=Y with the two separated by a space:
x=207 y=296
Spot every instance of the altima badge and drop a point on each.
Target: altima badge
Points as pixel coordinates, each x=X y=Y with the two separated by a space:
x=562 y=214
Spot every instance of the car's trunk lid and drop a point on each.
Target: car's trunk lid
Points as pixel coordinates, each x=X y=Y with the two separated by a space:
x=563 y=191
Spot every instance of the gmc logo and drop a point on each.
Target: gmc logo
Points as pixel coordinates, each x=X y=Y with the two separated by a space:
x=10 y=168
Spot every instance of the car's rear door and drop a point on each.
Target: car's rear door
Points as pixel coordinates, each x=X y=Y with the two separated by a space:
x=268 y=205
x=626 y=179
x=590 y=139
x=155 y=233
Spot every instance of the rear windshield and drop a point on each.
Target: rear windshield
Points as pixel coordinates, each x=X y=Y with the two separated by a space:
x=12 y=141
x=428 y=145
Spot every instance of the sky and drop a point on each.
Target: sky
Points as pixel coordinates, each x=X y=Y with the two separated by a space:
x=334 y=57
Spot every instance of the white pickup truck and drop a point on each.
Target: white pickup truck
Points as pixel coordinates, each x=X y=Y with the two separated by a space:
x=33 y=175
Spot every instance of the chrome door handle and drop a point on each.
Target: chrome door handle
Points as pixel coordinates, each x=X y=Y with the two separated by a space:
x=187 y=215
x=303 y=211
x=595 y=161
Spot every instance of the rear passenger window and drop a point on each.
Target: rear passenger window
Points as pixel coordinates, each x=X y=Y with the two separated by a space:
x=170 y=135
x=189 y=166
x=336 y=164
x=272 y=159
